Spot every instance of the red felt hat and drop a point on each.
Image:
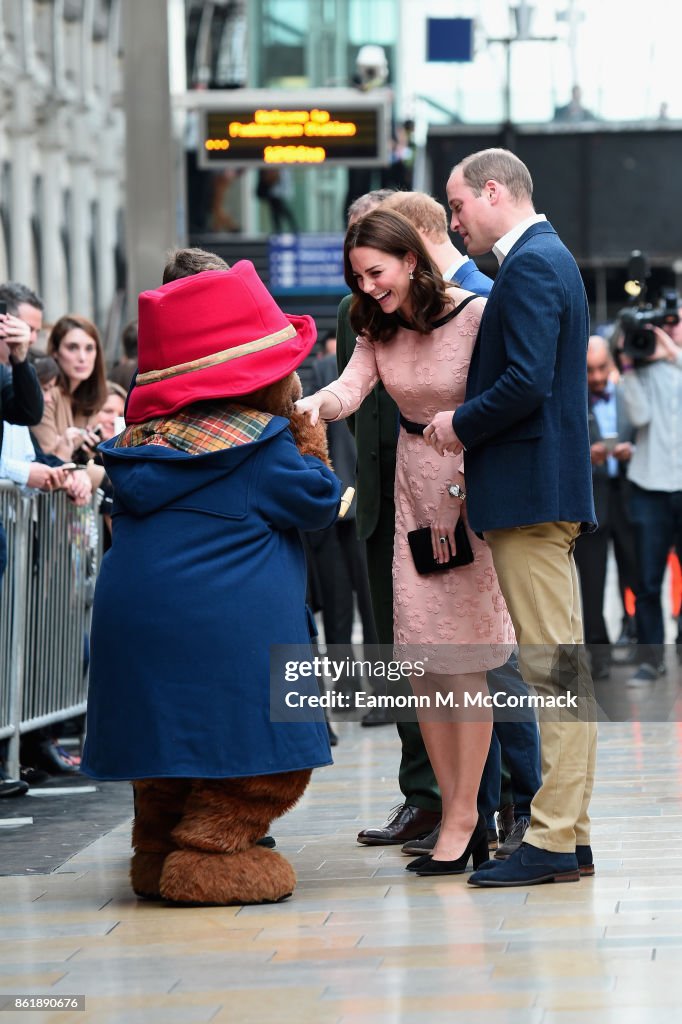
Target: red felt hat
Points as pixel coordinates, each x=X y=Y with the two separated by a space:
x=217 y=334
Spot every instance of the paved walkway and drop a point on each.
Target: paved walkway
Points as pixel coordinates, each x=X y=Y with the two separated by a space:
x=364 y=942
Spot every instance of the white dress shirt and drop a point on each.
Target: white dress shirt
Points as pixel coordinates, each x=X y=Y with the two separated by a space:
x=504 y=245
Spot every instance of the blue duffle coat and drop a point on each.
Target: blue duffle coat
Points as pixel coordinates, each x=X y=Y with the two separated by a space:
x=206 y=571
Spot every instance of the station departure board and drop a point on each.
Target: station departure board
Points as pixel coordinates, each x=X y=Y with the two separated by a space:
x=262 y=127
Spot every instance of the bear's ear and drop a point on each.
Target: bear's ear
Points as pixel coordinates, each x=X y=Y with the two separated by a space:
x=296 y=387
x=277 y=398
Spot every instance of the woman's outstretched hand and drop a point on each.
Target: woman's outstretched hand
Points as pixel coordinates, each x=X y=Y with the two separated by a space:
x=310 y=407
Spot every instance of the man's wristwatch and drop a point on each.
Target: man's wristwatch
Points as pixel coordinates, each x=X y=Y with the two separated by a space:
x=455 y=491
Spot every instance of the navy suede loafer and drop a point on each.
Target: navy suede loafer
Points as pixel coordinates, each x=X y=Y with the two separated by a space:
x=585 y=860
x=583 y=855
x=527 y=866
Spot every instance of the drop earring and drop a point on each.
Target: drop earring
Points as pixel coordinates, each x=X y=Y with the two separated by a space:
x=411 y=276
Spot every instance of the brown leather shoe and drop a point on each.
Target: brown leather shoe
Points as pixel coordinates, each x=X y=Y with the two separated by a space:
x=404 y=822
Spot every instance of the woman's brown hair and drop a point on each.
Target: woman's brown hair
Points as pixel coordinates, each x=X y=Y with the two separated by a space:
x=391 y=233
x=91 y=394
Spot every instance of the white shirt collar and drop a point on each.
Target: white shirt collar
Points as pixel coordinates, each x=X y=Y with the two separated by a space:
x=454 y=267
x=504 y=245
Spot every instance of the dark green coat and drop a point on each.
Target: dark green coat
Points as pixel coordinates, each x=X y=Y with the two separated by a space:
x=375 y=426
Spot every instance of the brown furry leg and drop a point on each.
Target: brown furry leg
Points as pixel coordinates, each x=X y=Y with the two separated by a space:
x=158 y=809
x=252 y=876
x=217 y=861
x=229 y=815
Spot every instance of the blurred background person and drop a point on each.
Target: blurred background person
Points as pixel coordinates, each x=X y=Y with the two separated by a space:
x=68 y=425
x=652 y=389
x=400 y=172
x=573 y=112
x=110 y=415
x=23 y=460
x=17 y=454
x=275 y=187
x=20 y=402
x=611 y=435
x=110 y=422
x=78 y=484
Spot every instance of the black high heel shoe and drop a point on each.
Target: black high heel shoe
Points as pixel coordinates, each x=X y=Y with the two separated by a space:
x=414 y=865
x=476 y=848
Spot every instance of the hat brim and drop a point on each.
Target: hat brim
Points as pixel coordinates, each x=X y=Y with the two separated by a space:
x=231 y=379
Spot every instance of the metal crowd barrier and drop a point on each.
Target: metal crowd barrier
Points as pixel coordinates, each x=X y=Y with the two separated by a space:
x=54 y=550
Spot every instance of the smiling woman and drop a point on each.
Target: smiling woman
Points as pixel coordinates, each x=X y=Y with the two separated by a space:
x=391 y=275
x=417 y=334
x=385 y=278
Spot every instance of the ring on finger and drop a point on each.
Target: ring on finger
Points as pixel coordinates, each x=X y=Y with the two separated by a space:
x=443 y=540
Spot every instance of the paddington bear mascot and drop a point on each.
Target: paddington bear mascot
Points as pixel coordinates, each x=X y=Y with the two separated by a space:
x=214 y=477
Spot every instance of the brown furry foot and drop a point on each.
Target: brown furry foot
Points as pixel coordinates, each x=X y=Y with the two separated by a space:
x=255 y=875
x=158 y=809
x=145 y=874
x=159 y=804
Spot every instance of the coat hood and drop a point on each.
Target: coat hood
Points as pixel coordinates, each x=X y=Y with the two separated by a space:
x=150 y=477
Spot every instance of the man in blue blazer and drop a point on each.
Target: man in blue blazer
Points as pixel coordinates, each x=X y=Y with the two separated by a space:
x=523 y=427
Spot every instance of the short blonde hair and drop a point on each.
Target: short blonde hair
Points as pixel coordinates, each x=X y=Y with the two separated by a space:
x=423 y=211
x=497 y=165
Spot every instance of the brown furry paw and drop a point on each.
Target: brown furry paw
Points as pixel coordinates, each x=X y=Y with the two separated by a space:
x=145 y=874
x=310 y=440
x=255 y=875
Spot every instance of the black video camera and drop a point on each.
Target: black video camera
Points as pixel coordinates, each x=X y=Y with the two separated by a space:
x=635 y=321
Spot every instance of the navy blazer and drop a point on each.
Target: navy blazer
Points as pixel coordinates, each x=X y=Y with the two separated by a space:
x=524 y=421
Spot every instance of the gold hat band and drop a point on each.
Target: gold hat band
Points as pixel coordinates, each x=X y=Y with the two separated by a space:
x=216 y=358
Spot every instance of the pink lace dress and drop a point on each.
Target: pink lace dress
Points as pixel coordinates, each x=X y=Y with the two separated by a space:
x=457 y=619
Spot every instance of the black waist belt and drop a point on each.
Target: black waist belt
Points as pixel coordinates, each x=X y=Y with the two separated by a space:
x=410 y=427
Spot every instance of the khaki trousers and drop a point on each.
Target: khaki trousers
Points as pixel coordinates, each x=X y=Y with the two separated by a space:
x=538 y=579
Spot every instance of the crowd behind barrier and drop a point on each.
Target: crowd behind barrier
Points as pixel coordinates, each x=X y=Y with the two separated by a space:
x=54 y=550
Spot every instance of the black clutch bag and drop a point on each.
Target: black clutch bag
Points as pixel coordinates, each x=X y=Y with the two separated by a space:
x=422 y=550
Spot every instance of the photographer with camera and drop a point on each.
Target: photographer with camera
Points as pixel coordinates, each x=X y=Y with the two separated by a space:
x=649 y=351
